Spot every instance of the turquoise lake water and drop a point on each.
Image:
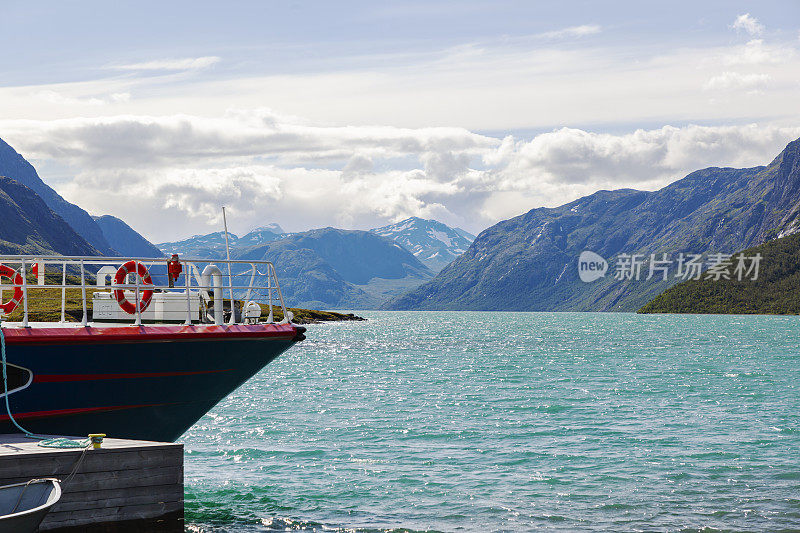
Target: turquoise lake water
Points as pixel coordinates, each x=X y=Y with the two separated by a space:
x=510 y=422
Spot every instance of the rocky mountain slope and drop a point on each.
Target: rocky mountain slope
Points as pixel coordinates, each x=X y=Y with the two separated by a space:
x=323 y=268
x=31 y=227
x=530 y=262
x=339 y=269
x=775 y=289
x=433 y=243
x=125 y=239
x=16 y=167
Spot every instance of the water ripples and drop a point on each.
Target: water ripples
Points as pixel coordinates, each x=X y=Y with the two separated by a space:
x=510 y=422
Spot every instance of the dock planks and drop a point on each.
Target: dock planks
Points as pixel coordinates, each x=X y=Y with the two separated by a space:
x=124 y=486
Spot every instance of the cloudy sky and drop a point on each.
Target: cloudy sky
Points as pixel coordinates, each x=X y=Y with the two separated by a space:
x=356 y=114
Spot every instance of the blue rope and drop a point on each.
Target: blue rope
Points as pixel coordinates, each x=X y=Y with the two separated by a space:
x=44 y=441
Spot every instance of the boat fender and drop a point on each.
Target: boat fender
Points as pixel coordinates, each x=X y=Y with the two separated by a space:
x=299 y=335
x=16 y=298
x=145 y=294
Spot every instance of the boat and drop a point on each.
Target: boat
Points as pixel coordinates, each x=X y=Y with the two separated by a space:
x=134 y=350
x=23 y=506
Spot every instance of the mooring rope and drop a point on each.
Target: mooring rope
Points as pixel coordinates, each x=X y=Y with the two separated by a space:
x=45 y=442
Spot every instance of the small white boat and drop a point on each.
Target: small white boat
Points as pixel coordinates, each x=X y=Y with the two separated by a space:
x=23 y=506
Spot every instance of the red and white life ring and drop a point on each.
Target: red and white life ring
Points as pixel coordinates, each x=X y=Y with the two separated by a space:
x=145 y=294
x=16 y=299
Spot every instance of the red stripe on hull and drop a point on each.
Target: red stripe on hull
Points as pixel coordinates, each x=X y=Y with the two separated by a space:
x=138 y=334
x=78 y=411
x=62 y=378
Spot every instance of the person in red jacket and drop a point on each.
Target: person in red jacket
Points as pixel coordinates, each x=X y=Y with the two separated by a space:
x=174 y=269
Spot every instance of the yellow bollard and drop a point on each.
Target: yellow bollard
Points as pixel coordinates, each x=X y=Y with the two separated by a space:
x=97 y=439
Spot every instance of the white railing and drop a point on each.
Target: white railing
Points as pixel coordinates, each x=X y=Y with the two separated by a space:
x=249 y=283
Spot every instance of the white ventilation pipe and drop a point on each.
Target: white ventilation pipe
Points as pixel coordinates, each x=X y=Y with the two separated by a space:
x=103 y=273
x=213 y=272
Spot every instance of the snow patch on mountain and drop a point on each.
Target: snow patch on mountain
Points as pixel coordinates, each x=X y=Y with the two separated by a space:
x=434 y=243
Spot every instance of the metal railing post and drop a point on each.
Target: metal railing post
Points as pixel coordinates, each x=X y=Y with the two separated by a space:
x=24 y=295
x=271 y=317
x=252 y=280
x=280 y=294
x=187 y=272
x=64 y=292
x=230 y=277
x=136 y=287
x=85 y=320
x=232 y=320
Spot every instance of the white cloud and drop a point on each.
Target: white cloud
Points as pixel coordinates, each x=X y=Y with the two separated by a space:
x=189 y=63
x=735 y=80
x=748 y=24
x=57 y=98
x=120 y=97
x=644 y=157
x=167 y=176
x=184 y=167
x=499 y=85
x=756 y=52
x=371 y=149
x=572 y=31
x=125 y=140
x=54 y=97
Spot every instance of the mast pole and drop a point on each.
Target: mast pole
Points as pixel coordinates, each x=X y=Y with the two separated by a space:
x=230 y=276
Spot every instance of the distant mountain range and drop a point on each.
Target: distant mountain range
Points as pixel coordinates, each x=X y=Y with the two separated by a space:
x=433 y=243
x=320 y=268
x=333 y=268
x=339 y=269
x=212 y=245
x=526 y=263
x=530 y=262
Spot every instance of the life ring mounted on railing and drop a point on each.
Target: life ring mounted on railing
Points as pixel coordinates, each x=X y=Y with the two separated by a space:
x=145 y=294
x=16 y=299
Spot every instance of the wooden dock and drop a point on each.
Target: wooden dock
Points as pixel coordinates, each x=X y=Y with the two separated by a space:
x=127 y=485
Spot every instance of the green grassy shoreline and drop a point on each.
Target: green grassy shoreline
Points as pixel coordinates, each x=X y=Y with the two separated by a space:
x=313 y=316
x=775 y=292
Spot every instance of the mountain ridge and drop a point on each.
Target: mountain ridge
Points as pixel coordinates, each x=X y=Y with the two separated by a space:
x=529 y=262
x=339 y=269
x=363 y=277
x=212 y=245
x=124 y=239
x=32 y=227
x=13 y=165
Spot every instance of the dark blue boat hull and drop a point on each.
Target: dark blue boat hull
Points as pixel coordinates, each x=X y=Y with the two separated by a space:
x=138 y=389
